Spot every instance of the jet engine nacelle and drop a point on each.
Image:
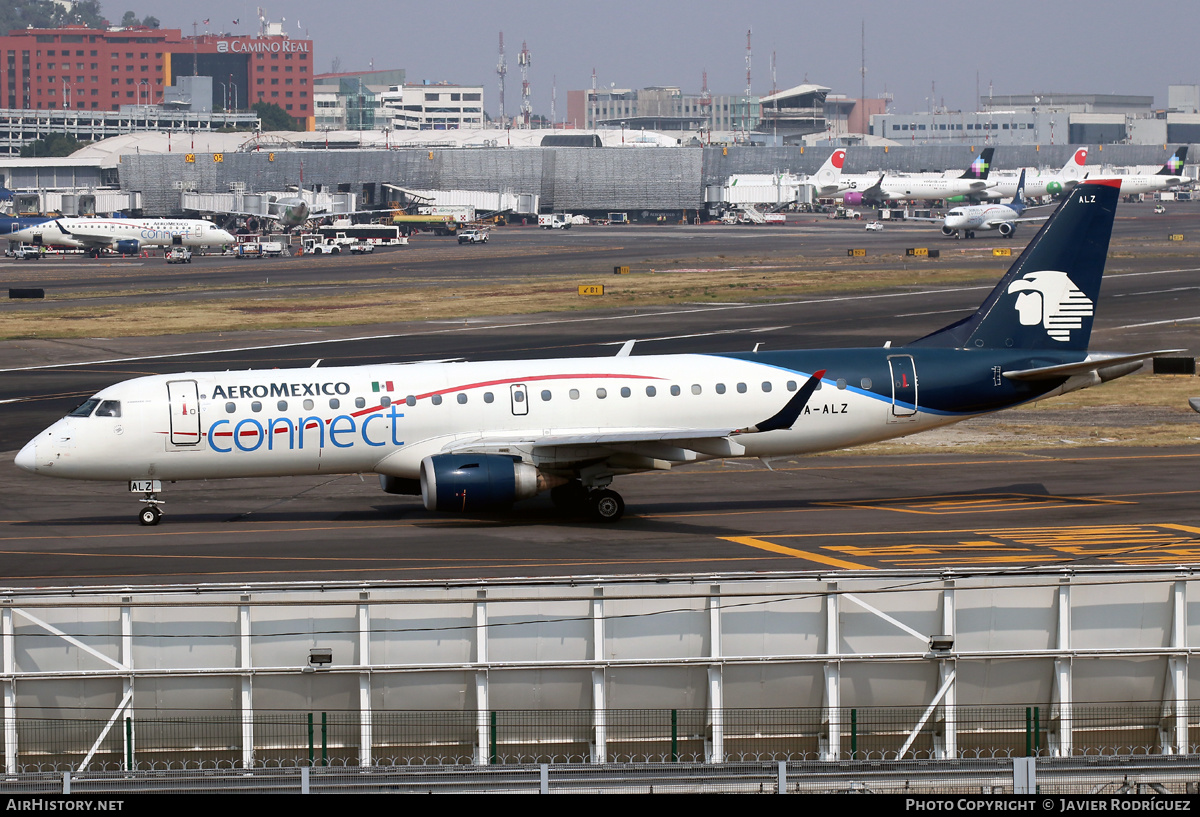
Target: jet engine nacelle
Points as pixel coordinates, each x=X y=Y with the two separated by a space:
x=469 y=482
x=129 y=246
x=852 y=197
x=1054 y=188
x=1007 y=228
x=949 y=232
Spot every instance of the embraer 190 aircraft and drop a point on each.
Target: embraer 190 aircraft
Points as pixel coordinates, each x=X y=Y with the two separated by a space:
x=472 y=436
x=124 y=235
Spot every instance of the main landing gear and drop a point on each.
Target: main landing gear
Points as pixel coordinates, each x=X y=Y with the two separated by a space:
x=152 y=513
x=601 y=504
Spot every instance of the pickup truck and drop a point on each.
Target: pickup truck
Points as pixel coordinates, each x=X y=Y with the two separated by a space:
x=473 y=237
x=179 y=255
x=361 y=247
x=25 y=252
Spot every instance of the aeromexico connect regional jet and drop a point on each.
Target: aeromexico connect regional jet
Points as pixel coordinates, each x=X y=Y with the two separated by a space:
x=470 y=436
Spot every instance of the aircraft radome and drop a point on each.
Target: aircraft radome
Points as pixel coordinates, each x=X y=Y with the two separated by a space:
x=471 y=436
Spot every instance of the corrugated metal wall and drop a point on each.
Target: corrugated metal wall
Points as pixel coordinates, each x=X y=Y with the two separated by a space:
x=570 y=179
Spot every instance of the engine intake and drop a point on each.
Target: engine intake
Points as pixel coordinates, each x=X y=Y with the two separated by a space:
x=1007 y=229
x=469 y=482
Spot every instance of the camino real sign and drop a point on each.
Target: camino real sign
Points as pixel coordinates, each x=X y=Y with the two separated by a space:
x=280 y=46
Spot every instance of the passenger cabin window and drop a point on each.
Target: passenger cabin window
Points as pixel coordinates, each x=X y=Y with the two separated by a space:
x=573 y=394
x=436 y=399
x=651 y=391
x=230 y=408
x=674 y=391
x=360 y=402
x=720 y=388
x=488 y=397
x=256 y=407
x=411 y=400
x=741 y=388
x=625 y=392
x=386 y=401
x=282 y=405
x=766 y=385
x=462 y=398
x=334 y=403
x=85 y=408
x=546 y=395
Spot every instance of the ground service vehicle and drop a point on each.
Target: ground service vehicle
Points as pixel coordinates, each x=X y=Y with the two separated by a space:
x=473 y=237
x=555 y=221
x=179 y=255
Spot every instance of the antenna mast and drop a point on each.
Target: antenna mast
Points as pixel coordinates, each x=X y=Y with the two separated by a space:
x=748 y=32
x=526 y=107
x=501 y=70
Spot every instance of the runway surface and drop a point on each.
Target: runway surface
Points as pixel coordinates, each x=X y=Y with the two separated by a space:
x=834 y=512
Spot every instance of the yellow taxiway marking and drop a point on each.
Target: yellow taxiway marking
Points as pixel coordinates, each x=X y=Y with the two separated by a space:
x=975 y=503
x=755 y=542
x=1128 y=544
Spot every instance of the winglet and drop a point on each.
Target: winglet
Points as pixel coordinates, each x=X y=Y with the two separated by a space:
x=626 y=348
x=786 y=417
x=64 y=230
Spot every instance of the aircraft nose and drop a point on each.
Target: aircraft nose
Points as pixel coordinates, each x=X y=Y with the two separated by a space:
x=27 y=457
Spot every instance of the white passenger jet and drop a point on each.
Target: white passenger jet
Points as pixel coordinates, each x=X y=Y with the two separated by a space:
x=1038 y=184
x=1001 y=217
x=124 y=235
x=473 y=436
x=1169 y=175
x=973 y=182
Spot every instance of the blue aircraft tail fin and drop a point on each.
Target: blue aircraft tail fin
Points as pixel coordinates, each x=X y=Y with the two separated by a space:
x=1047 y=299
x=1018 y=202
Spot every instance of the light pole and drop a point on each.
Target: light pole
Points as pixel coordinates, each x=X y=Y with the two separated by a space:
x=145 y=82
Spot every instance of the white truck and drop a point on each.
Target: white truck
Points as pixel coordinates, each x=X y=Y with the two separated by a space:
x=555 y=221
x=319 y=245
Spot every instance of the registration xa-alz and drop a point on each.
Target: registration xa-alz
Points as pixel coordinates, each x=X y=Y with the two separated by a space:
x=470 y=436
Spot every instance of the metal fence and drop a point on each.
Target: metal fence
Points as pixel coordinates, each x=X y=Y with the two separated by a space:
x=514 y=737
x=1107 y=776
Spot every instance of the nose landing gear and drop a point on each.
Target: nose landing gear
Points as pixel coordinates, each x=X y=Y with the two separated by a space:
x=152 y=513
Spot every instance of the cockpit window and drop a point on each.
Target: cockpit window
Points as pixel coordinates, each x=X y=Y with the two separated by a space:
x=109 y=408
x=85 y=408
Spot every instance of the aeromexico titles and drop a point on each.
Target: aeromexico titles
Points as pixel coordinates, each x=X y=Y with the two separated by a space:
x=472 y=436
x=123 y=235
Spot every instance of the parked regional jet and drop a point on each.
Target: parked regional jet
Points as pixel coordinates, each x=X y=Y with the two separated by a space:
x=124 y=235
x=1038 y=184
x=973 y=181
x=1169 y=175
x=1002 y=217
x=469 y=436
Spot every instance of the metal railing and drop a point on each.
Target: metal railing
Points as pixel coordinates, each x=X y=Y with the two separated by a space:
x=508 y=737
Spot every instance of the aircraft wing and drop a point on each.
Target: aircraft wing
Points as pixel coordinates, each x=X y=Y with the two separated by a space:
x=86 y=237
x=667 y=445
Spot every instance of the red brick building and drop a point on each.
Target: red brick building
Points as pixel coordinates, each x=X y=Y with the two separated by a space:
x=93 y=69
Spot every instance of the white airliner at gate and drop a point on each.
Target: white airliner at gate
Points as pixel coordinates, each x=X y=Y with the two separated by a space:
x=940 y=648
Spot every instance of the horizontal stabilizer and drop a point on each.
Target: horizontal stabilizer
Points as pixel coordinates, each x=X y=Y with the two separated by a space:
x=1091 y=363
